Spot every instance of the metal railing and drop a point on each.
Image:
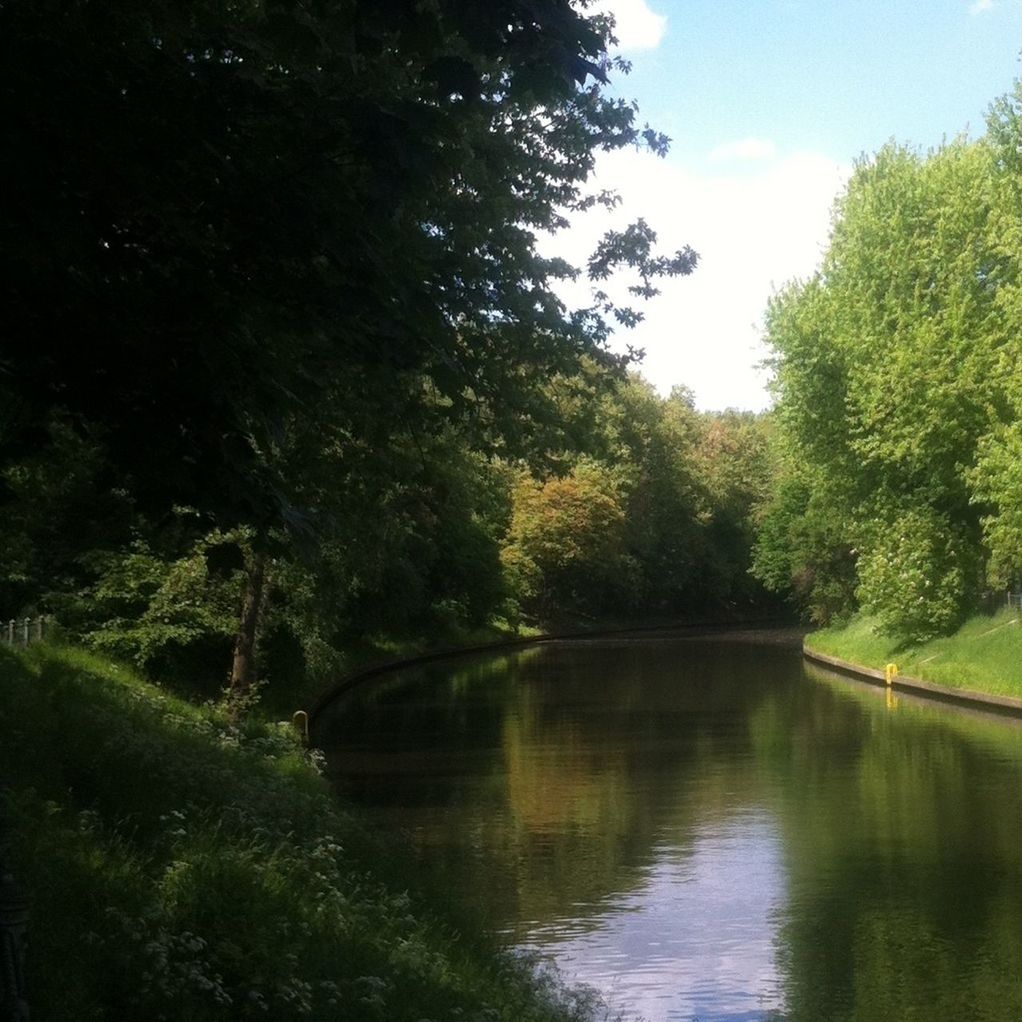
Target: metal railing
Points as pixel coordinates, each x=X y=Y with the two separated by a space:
x=26 y=630
x=1014 y=600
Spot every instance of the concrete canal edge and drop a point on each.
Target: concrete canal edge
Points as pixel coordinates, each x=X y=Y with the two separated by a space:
x=338 y=688
x=343 y=685
x=1009 y=705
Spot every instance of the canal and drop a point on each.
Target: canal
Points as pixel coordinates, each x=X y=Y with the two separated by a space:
x=705 y=827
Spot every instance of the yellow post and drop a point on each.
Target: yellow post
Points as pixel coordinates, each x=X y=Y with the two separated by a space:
x=890 y=673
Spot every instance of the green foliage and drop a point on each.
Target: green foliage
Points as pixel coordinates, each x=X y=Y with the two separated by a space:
x=733 y=468
x=997 y=484
x=897 y=393
x=165 y=614
x=273 y=214
x=425 y=559
x=653 y=442
x=301 y=295
x=183 y=867
x=913 y=578
x=565 y=547
x=804 y=549
x=675 y=491
x=55 y=502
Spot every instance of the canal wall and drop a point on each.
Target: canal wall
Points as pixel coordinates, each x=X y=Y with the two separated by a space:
x=372 y=671
x=945 y=693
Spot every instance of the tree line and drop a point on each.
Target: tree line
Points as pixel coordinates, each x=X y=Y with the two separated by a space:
x=899 y=396
x=282 y=364
x=639 y=506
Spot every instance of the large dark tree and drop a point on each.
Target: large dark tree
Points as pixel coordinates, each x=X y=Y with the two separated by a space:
x=239 y=237
x=219 y=216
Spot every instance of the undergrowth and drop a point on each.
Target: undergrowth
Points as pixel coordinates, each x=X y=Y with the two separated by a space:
x=372 y=650
x=184 y=868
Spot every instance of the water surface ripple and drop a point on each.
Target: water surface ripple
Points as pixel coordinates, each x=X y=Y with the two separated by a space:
x=707 y=828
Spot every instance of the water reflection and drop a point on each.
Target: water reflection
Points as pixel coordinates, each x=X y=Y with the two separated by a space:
x=694 y=938
x=707 y=830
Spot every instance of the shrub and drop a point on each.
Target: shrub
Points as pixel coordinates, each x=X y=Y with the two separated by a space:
x=913 y=577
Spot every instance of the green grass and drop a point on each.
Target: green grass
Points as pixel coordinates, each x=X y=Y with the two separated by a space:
x=280 y=701
x=985 y=654
x=182 y=868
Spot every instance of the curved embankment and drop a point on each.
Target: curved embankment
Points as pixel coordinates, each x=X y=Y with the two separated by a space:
x=945 y=693
x=348 y=682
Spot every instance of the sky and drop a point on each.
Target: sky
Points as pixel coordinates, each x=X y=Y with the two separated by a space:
x=769 y=103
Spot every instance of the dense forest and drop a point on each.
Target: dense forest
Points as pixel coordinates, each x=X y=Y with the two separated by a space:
x=283 y=367
x=897 y=423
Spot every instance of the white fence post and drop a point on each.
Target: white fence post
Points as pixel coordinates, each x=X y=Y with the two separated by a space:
x=24 y=631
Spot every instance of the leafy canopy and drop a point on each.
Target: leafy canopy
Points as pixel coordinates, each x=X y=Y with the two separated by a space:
x=232 y=226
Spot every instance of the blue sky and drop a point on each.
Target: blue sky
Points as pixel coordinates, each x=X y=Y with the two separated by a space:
x=768 y=103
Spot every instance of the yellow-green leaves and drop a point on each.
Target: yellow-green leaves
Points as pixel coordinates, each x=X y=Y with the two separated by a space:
x=896 y=375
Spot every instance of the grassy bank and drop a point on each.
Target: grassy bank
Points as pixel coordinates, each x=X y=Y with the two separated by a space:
x=985 y=654
x=182 y=868
x=280 y=701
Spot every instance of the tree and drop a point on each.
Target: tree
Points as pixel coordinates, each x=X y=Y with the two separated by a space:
x=996 y=477
x=733 y=467
x=887 y=374
x=914 y=576
x=248 y=210
x=997 y=487
x=280 y=231
x=565 y=548
x=802 y=547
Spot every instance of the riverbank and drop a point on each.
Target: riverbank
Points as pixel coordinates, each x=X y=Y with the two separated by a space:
x=372 y=658
x=378 y=652
x=984 y=655
x=183 y=867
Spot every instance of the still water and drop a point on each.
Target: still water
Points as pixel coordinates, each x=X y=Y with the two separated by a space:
x=707 y=828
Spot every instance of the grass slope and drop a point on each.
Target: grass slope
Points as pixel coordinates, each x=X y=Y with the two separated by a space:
x=373 y=650
x=184 y=869
x=985 y=654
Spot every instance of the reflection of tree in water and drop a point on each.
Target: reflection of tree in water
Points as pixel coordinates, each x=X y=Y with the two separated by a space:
x=547 y=783
x=544 y=782
x=597 y=772
x=904 y=878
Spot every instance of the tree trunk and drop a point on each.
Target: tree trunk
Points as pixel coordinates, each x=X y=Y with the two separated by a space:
x=243 y=665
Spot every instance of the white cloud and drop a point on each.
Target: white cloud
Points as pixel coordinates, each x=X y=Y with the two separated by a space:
x=636 y=26
x=980 y=6
x=743 y=151
x=754 y=231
